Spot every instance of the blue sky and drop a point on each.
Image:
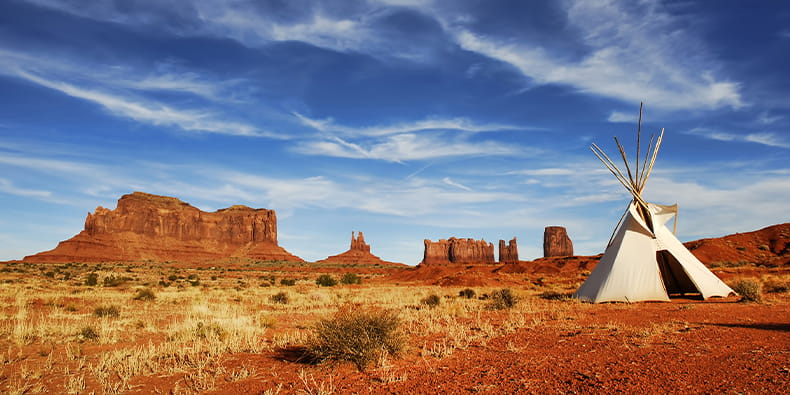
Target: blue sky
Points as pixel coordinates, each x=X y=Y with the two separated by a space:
x=404 y=119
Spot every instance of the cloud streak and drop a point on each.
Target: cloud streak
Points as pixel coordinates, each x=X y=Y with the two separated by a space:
x=630 y=58
x=405 y=147
x=764 y=138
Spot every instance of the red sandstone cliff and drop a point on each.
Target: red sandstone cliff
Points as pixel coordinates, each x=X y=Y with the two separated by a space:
x=556 y=242
x=359 y=253
x=161 y=228
x=508 y=253
x=458 y=251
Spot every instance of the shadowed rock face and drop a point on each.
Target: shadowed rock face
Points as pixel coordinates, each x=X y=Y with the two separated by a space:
x=458 y=251
x=145 y=226
x=508 y=253
x=556 y=242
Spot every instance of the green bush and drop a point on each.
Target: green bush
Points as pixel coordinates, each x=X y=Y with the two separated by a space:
x=281 y=298
x=431 y=301
x=107 y=311
x=467 y=293
x=749 y=290
x=502 y=299
x=350 y=278
x=325 y=280
x=92 y=279
x=357 y=336
x=288 y=281
x=145 y=294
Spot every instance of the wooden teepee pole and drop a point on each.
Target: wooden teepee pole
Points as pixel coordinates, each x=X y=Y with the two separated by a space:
x=638 y=143
x=653 y=159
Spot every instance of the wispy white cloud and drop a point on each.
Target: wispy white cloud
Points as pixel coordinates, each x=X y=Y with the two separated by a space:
x=405 y=147
x=7 y=186
x=152 y=112
x=765 y=138
x=447 y=124
x=632 y=57
x=765 y=118
x=450 y=182
x=617 y=117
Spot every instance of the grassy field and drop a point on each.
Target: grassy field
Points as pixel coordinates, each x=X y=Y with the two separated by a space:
x=76 y=328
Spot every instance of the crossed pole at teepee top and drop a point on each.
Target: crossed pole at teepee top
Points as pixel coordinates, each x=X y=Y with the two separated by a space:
x=635 y=182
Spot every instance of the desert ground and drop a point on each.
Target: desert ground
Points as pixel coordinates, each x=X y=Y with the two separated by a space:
x=238 y=326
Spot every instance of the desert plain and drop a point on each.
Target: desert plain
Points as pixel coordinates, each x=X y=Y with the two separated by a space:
x=239 y=326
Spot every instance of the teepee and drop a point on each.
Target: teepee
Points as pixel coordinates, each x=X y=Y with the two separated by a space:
x=644 y=260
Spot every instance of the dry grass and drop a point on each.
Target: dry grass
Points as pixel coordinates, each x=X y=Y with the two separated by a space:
x=186 y=332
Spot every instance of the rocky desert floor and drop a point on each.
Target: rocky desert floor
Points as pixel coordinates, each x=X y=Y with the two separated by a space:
x=240 y=327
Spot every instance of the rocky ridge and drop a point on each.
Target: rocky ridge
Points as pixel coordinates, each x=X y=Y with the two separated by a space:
x=161 y=228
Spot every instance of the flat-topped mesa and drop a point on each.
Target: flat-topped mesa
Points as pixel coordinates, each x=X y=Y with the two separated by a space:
x=145 y=226
x=456 y=250
x=508 y=253
x=556 y=242
x=358 y=243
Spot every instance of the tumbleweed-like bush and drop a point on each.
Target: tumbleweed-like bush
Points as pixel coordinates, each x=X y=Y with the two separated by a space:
x=360 y=336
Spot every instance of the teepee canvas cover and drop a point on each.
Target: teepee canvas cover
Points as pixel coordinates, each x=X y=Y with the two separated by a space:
x=644 y=260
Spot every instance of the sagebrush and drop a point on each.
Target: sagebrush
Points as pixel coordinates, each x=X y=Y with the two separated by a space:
x=360 y=336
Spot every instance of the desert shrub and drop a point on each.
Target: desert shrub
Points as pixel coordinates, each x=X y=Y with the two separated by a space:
x=194 y=283
x=350 y=278
x=468 y=293
x=87 y=333
x=288 y=281
x=50 y=274
x=193 y=277
x=280 y=297
x=204 y=331
x=763 y=247
x=431 y=300
x=749 y=290
x=164 y=283
x=325 y=280
x=555 y=295
x=776 y=287
x=357 y=336
x=113 y=281
x=172 y=277
x=92 y=279
x=502 y=299
x=144 y=294
x=107 y=311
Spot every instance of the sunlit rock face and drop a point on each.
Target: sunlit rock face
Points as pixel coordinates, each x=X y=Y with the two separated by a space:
x=455 y=250
x=162 y=228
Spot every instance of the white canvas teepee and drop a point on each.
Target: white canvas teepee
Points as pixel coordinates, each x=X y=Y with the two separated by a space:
x=644 y=260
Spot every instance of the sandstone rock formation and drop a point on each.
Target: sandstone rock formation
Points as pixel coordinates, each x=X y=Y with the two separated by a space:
x=161 y=228
x=359 y=253
x=556 y=242
x=358 y=243
x=508 y=253
x=458 y=251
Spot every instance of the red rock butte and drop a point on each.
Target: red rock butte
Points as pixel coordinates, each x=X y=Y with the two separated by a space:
x=358 y=253
x=161 y=228
x=453 y=250
x=556 y=242
x=508 y=253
